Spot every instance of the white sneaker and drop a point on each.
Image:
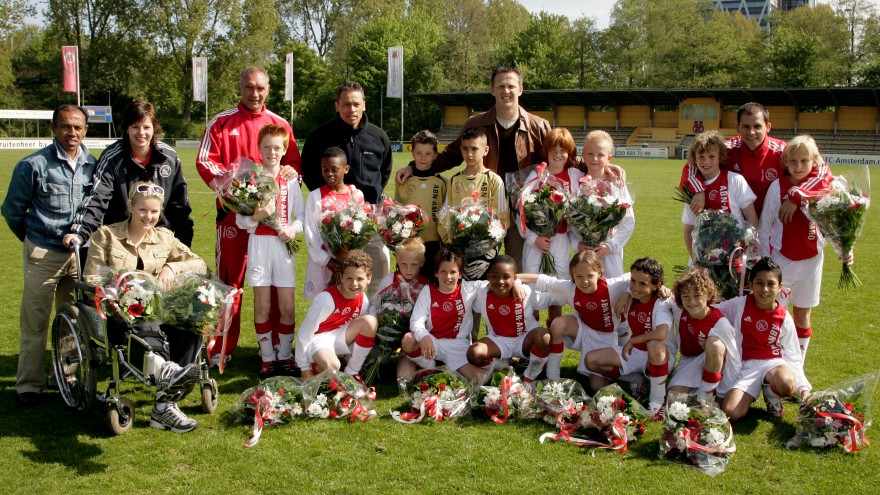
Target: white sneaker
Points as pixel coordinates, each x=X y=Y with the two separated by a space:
x=656 y=410
x=215 y=360
x=172 y=378
x=172 y=419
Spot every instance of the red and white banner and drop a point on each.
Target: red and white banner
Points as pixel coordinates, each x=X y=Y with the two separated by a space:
x=200 y=78
x=395 y=72
x=288 y=77
x=70 y=63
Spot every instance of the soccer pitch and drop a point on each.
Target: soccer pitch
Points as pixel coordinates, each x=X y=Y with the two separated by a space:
x=52 y=450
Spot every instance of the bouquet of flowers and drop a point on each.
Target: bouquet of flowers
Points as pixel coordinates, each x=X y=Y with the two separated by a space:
x=837 y=416
x=130 y=296
x=274 y=401
x=596 y=208
x=398 y=223
x=513 y=186
x=542 y=208
x=840 y=216
x=393 y=308
x=696 y=433
x=437 y=393
x=474 y=229
x=247 y=186
x=722 y=246
x=347 y=227
x=504 y=396
x=560 y=402
x=336 y=394
x=198 y=304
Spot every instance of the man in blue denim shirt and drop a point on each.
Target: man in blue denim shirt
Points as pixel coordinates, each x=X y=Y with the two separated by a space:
x=45 y=189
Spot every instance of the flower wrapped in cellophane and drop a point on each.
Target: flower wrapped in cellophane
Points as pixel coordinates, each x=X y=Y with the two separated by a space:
x=347 y=227
x=474 y=229
x=274 y=401
x=397 y=222
x=129 y=296
x=696 y=433
x=596 y=208
x=438 y=393
x=393 y=309
x=336 y=394
x=541 y=209
x=560 y=402
x=504 y=396
x=246 y=186
x=837 y=416
x=720 y=245
x=840 y=215
x=513 y=185
x=199 y=304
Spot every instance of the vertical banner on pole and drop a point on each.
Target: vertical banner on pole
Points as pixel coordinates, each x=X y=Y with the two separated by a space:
x=395 y=72
x=70 y=65
x=200 y=79
x=288 y=77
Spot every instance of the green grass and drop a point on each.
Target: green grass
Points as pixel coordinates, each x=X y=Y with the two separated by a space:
x=52 y=450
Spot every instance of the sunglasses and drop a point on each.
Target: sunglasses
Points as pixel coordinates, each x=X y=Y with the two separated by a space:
x=150 y=189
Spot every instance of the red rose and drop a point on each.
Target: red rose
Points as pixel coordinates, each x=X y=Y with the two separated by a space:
x=135 y=310
x=460 y=227
x=333 y=414
x=326 y=220
x=424 y=386
x=441 y=386
x=556 y=198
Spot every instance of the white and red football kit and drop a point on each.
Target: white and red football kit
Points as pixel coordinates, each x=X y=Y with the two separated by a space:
x=325 y=324
x=447 y=319
x=232 y=135
x=508 y=321
x=728 y=192
x=322 y=200
x=396 y=280
x=795 y=246
x=760 y=338
x=643 y=318
x=691 y=337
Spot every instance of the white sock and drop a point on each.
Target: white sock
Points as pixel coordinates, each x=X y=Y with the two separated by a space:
x=423 y=362
x=804 y=342
x=267 y=352
x=554 y=365
x=153 y=363
x=658 y=389
x=359 y=354
x=536 y=364
x=285 y=346
x=708 y=387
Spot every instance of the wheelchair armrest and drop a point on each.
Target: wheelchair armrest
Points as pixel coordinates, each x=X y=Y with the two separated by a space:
x=85 y=287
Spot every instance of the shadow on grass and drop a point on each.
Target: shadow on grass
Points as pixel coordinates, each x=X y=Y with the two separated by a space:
x=53 y=431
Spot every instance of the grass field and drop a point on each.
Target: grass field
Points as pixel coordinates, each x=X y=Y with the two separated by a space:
x=52 y=450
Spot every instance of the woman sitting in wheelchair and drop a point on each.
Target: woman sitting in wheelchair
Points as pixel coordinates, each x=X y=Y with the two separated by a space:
x=137 y=244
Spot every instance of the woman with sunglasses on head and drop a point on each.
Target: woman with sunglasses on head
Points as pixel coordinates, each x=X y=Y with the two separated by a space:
x=138 y=156
x=138 y=244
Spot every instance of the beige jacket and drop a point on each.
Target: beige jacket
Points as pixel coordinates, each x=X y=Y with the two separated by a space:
x=111 y=248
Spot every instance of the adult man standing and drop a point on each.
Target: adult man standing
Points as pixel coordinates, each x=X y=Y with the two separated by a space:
x=369 y=158
x=44 y=192
x=230 y=136
x=514 y=137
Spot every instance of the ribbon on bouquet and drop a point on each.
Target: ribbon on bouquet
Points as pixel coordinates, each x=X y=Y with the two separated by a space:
x=263 y=401
x=616 y=436
x=361 y=412
x=539 y=172
x=111 y=295
x=850 y=441
x=427 y=406
x=505 y=387
x=222 y=328
x=689 y=437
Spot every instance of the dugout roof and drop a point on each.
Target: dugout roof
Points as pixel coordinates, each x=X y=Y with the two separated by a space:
x=800 y=97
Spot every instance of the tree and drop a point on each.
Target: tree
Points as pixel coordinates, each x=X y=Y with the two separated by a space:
x=816 y=33
x=313 y=90
x=858 y=15
x=538 y=53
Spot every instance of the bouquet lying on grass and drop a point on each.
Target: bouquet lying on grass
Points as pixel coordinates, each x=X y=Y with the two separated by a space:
x=837 y=416
x=596 y=208
x=397 y=222
x=504 y=396
x=720 y=244
x=439 y=393
x=560 y=402
x=393 y=308
x=336 y=394
x=347 y=227
x=247 y=186
x=199 y=304
x=129 y=296
x=840 y=216
x=696 y=433
x=541 y=209
x=274 y=401
x=474 y=229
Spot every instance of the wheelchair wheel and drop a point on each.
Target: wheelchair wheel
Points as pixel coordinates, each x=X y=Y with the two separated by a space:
x=72 y=360
x=210 y=396
x=120 y=416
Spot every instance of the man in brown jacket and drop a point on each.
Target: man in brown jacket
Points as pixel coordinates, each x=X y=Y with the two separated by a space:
x=514 y=137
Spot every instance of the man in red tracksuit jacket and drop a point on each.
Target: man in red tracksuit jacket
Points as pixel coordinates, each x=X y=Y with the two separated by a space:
x=232 y=135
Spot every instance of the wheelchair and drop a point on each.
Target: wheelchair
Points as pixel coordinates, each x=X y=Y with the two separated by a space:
x=81 y=344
